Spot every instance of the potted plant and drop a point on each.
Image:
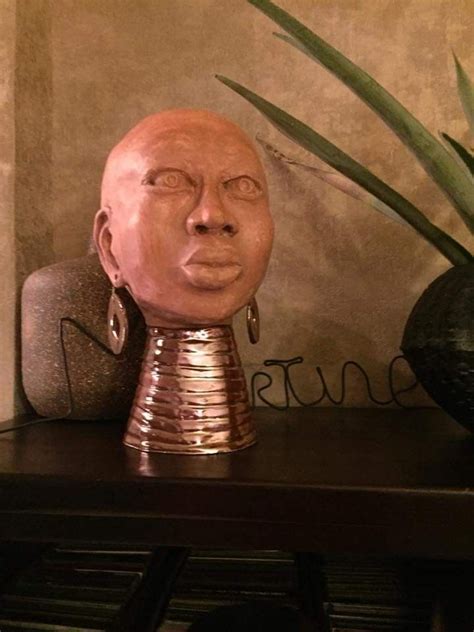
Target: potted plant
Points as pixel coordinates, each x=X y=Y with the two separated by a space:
x=439 y=336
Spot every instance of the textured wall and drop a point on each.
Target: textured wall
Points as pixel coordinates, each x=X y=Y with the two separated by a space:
x=343 y=278
x=25 y=184
x=7 y=188
x=34 y=140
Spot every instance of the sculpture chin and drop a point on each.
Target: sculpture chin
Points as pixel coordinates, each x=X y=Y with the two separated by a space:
x=206 y=276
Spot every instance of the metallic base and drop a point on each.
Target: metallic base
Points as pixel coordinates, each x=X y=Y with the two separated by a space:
x=192 y=396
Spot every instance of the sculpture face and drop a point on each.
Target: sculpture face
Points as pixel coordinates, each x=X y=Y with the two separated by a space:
x=185 y=223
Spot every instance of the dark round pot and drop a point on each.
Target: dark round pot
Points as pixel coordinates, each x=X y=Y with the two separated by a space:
x=438 y=342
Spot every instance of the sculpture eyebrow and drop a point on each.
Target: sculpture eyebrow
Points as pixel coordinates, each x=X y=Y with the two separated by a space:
x=151 y=174
x=252 y=177
x=233 y=174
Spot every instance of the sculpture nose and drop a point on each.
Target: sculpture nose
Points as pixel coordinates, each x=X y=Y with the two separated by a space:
x=211 y=216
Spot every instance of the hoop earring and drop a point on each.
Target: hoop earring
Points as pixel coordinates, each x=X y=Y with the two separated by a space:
x=117 y=323
x=253 y=321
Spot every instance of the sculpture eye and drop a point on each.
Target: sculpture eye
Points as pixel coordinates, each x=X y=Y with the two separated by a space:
x=244 y=187
x=169 y=181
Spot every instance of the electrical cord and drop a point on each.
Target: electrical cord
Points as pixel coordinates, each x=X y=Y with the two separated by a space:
x=70 y=409
x=288 y=386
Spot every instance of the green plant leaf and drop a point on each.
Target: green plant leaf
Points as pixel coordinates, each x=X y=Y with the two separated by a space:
x=466 y=92
x=461 y=151
x=324 y=149
x=435 y=158
x=338 y=181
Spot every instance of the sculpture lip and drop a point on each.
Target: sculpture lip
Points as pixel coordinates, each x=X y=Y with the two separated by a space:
x=212 y=269
x=214 y=257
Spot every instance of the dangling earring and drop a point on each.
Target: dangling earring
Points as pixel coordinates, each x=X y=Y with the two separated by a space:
x=117 y=323
x=253 y=321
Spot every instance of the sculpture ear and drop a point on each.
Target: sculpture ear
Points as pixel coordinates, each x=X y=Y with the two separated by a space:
x=103 y=241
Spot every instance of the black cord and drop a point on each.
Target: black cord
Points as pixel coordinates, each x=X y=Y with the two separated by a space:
x=289 y=388
x=62 y=322
x=27 y=423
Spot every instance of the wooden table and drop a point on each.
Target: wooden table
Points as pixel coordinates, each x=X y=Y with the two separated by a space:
x=367 y=481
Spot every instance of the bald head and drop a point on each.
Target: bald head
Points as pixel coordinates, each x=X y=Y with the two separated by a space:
x=139 y=144
x=185 y=223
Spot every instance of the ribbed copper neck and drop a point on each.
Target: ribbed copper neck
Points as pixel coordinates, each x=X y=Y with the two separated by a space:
x=192 y=396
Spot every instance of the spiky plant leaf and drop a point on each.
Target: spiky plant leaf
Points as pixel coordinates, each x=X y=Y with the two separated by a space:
x=461 y=151
x=338 y=181
x=435 y=158
x=466 y=92
x=324 y=149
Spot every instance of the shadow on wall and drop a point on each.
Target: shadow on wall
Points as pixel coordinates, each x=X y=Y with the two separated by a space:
x=326 y=300
x=343 y=279
x=33 y=153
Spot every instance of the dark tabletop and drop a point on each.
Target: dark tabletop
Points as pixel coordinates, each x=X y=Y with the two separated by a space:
x=370 y=481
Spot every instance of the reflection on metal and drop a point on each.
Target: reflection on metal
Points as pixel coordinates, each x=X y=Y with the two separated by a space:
x=253 y=321
x=192 y=396
x=117 y=323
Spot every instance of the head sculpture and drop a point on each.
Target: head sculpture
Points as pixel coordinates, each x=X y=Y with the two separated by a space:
x=185 y=226
x=184 y=222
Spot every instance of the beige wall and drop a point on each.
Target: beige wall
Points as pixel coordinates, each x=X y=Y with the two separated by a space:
x=25 y=184
x=34 y=107
x=342 y=279
x=7 y=226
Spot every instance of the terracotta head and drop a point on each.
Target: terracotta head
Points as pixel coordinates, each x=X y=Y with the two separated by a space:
x=184 y=222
